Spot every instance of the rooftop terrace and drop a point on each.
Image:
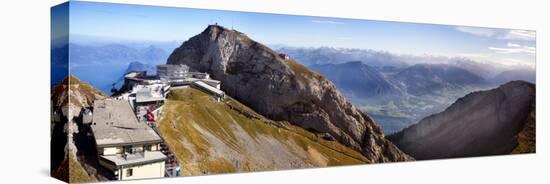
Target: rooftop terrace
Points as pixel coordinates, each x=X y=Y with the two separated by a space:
x=115 y=124
x=135 y=159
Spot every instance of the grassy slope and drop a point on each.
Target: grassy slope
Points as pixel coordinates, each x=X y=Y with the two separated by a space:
x=304 y=74
x=210 y=136
x=527 y=137
x=75 y=172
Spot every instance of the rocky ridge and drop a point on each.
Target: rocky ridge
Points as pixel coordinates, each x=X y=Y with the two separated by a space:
x=479 y=124
x=283 y=90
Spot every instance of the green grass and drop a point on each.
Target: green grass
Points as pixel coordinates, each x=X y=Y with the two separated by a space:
x=187 y=111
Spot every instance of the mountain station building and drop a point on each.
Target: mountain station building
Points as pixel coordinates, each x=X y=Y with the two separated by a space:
x=126 y=147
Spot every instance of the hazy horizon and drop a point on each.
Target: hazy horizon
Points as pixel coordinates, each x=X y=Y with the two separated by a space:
x=165 y=24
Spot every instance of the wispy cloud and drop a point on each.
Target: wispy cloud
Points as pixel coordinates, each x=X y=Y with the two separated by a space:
x=513 y=48
x=520 y=35
x=345 y=38
x=494 y=58
x=326 y=22
x=513 y=45
x=501 y=34
x=486 y=32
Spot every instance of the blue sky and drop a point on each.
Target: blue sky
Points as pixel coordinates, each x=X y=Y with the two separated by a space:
x=132 y=22
x=60 y=28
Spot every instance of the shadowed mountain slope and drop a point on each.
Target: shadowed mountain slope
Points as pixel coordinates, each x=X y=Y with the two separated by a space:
x=479 y=124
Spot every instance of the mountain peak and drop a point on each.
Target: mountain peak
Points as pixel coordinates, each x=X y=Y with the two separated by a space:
x=214 y=27
x=214 y=30
x=281 y=89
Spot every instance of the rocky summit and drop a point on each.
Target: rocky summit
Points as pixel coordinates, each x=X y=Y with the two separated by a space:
x=283 y=90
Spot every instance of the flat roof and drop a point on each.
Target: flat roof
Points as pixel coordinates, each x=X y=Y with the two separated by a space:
x=114 y=124
x=212 y=81
x=209 y=88
x=149 y=93
x=178 y=66
x=136 y=159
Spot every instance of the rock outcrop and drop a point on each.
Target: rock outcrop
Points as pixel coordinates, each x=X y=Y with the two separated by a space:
x=68 y=97
x=282 y=89
x=479 y=124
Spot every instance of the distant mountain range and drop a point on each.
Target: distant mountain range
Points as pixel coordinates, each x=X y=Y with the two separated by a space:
x=379 y=59
x=435 y=79
x=400 y=96
x=139 y=67
x=328 y=55
x=358 y=80
x=514 y=74
x=363 y=81
x=479 y=124
x=115 y=54
x=102 y=61
x=112 y=61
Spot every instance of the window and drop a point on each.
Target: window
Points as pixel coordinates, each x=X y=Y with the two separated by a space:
x=129 y=172
x=128 y=149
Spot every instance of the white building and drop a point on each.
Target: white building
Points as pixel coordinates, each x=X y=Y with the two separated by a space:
x=145 y=90
x=128 y=148
x=167 y=71
x=148 y=97
x=217 y=93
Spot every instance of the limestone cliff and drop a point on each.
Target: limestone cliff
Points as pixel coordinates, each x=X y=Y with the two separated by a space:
x=283 y=90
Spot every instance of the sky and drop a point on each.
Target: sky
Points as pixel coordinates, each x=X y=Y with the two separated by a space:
x=59 y=29
x=151 y=23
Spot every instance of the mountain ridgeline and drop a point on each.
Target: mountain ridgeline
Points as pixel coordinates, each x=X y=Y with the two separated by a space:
x=400 y=96
x=421 y=79
x=356 y=79
x=329 y=55
x=491 y=122
x=283 y=90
